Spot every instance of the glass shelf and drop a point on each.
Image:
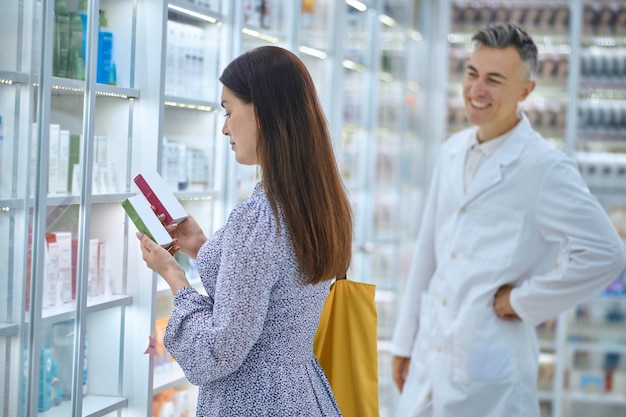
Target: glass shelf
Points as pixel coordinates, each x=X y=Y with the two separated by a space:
x=10 y=77
x=191 y=104
x=66 y=86
x=93 y=406
x=599 y=398
x=67 y=311
x=165 y=379
x=8 y=329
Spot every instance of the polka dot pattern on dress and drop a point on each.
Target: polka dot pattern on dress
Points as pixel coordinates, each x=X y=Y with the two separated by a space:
x=248 y=343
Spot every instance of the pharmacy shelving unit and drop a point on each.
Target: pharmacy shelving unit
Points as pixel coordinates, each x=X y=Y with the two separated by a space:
x=65 y=319
x=373 y=124
x=379 y=153
x=17 y=102
x=259 y=23
x=158 y=107
x=592 y=358
x=579 y=106
x=370 y=96
x=192 y=156
x=76 y=346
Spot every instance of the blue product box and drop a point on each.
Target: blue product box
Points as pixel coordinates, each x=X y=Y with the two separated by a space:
x=45 y=379
x=105 y=56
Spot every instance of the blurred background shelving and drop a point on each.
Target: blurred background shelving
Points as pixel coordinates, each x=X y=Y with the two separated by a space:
x=143 y=93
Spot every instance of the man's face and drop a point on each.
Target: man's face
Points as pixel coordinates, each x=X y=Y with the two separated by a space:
x=495 y=82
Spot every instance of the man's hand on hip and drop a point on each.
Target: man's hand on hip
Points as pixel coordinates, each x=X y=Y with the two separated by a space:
x=502 y=303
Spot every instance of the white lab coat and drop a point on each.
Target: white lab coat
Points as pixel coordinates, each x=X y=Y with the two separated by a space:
x=527 y=219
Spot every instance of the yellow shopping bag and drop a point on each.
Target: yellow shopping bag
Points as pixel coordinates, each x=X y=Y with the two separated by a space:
x=346 y=347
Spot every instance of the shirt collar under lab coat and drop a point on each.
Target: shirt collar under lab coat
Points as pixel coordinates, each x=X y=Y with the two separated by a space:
x=488 y=148
x=506 y=154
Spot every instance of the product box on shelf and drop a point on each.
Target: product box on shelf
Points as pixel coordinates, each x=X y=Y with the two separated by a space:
x=66 y=285
x=51 y=271
x=186 y=61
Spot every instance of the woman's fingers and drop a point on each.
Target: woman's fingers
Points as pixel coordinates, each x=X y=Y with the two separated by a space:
x=148 y=246
x=174 y=248
x=161 y=216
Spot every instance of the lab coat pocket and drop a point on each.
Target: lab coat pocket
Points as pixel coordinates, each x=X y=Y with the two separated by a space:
x=489 y=364
x=485 y=347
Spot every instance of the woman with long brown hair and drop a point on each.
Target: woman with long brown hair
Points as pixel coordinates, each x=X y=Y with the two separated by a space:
x=248 y=344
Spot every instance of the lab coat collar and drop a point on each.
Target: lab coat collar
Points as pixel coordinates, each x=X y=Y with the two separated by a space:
x=490 y=173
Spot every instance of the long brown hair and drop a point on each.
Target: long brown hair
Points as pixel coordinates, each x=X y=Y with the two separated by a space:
x=299 y=170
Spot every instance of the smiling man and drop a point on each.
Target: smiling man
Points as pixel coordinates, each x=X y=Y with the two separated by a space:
x=510 y=237
x=496 y=80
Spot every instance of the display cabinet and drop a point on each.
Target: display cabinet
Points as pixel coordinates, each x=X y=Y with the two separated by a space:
x=258 y=23
x=94 y=92
x=370 y=97
x=86 y=105
x=69 y=287
x=315 y=46
x=192 y=160
x=18 y=107
x=592 y=363
x=379 y=151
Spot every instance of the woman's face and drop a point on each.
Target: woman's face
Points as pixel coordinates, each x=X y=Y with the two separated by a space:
x=240 y=126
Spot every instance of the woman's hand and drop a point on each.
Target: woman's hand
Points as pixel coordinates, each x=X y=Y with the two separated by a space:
x=163 y=263
x=188 y=234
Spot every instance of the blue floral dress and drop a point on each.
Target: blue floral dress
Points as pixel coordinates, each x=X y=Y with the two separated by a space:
x=248 y=344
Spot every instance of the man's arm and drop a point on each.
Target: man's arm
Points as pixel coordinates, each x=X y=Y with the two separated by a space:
x=592 y=254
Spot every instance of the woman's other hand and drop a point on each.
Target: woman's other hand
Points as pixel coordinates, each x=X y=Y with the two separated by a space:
x=163 y=263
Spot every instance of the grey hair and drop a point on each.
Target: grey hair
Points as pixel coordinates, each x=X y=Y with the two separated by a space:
x=503 y=35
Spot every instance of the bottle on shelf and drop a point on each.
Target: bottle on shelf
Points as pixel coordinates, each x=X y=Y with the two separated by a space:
x=76 y=61
x=61 y=39
x=105 y=71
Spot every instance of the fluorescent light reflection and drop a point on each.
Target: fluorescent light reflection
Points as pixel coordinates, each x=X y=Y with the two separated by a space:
x=313 y=52
x=190 y=106
x=387 y=20
x=192 y=13
x=415 y=35
x=354 y=66
x=357 y=5
x=259 y=35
